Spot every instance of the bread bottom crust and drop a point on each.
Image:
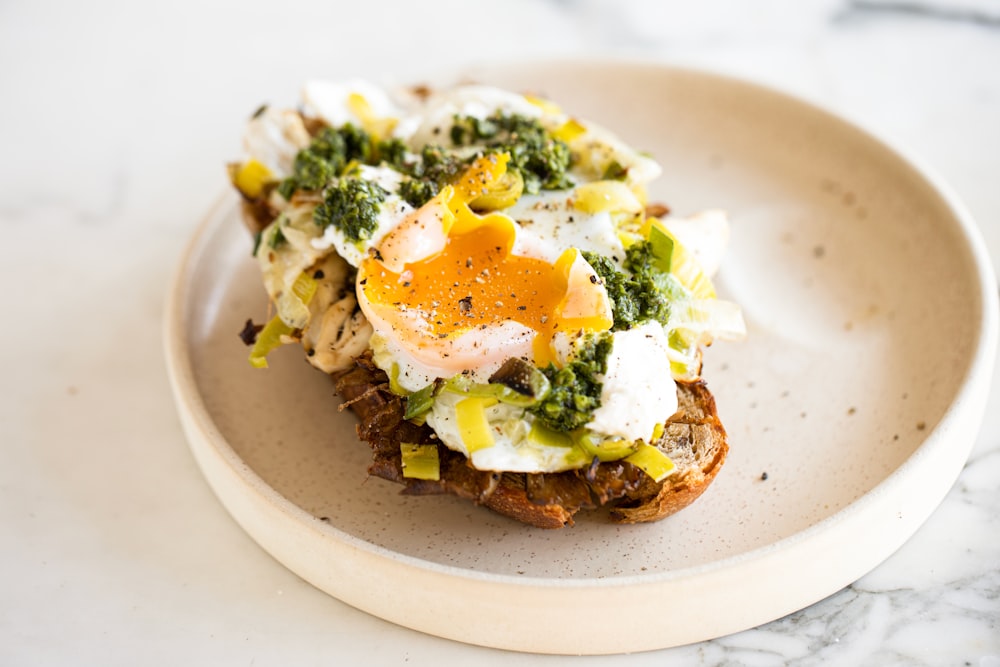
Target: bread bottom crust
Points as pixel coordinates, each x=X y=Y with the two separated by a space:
x=693 y=438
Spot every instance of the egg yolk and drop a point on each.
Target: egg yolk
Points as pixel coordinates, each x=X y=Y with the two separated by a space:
x=474 y=282
x=471 y=280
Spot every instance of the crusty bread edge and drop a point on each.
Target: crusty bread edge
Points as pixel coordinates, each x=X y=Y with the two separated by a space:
x=511 y=501
x=694 y=431
x=665 y=498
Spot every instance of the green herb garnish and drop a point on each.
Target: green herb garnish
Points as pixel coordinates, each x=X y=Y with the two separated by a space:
x=542 y=160
x=332 y=151
x=636 y=294
x=352 y=206
x=575 y=390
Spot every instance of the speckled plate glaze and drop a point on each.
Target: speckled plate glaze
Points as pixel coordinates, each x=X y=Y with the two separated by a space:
x=851 y=407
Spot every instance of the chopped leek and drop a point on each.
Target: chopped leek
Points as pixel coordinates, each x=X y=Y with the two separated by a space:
x=372 y=123
x=473 y=425
x=276 y=332
x=304 y=287
x=547 y=106
x=569 y=130
x=419 y=402
x=658 y=432
x=420 y=461
x=600 y=196
x=270 y=337
x=605 y=450
x=708 y=318
x=652 y=461
x=662 y=249
x=461 y=384
x=293 y=304
x=696 y=322
x=484 y=174
x=542 y=435
x=394 y=385
x=250 y=177
x=500 y=193
x=614 y=172
x=683 y=264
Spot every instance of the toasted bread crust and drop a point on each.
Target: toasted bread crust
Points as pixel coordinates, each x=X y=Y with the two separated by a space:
x=510 y=499
x=694 y=439
x=696 y=428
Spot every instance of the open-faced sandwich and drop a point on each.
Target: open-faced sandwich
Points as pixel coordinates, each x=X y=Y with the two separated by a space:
x=480 y=272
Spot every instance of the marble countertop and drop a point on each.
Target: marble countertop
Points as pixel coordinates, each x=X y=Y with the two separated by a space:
x=117 y=117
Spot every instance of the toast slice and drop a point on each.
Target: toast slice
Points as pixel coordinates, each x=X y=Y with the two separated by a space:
x=693 y=438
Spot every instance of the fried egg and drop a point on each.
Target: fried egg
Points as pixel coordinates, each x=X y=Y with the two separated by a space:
x=448 y=291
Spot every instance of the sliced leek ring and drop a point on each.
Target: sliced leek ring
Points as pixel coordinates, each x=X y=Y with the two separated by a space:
x=420 y=461
x=682 y=263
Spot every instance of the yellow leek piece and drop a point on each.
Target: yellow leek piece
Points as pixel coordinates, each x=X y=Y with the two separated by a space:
x=682 y=263
x=304 y=287
x=606 y=450
x=651 y=461
x=663 y=248
x=658 y=431
x=601 y=196
x=250 y=178
x=500 y=194
x=274 y=333
x=374 y=125
x=483 y=174
x=687 y=370
x=420 y=461
x=569 y=130
x=546 y=437
x=473 y=426
x=547 y=106
x=269 y=338
x=394 y=385
x=628 y=238
x=293 y=304
x=359 y=106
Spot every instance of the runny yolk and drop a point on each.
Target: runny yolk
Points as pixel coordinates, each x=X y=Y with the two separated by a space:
x=474 y=282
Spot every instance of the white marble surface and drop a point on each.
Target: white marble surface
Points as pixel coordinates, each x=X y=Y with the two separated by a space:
x=116 y=119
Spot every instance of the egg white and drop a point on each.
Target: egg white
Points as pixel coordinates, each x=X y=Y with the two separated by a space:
x=511 y=451
x=393 y=211
x=549 y=223
x=330 y=100
x=638 y=391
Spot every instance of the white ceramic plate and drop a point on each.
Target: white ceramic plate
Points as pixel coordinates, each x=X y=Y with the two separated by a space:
x=872 y=319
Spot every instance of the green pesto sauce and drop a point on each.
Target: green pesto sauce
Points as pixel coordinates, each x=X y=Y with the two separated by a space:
x=434 y=168
x=542 y=160
x=352 y=206
x=332 y=151
x=636 y=294
x=575 y=391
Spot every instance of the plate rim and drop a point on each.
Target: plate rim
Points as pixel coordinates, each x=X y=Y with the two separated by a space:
x=968 y=401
